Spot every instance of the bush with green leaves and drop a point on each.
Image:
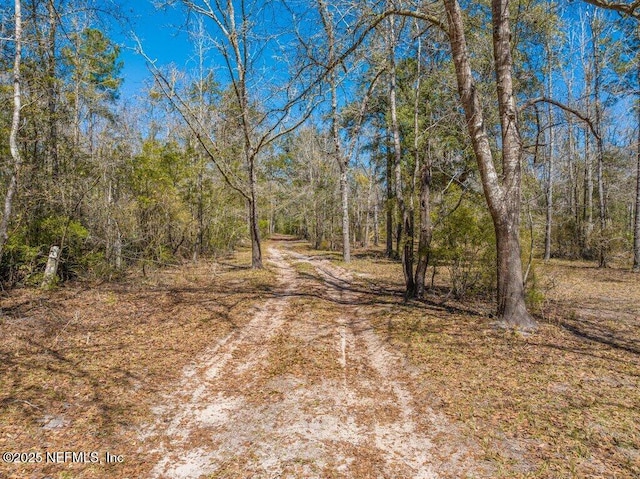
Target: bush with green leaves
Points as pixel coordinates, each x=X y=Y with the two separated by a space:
x=465 y=244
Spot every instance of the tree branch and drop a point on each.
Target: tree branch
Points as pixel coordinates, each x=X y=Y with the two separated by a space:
x=562 y=106
x=631 y=9
x=191 y=120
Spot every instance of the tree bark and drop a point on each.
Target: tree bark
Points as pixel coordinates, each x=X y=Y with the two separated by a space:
x=256 y=251
x=424 y=172
x=376 y=226
x=405 y=232
x=13 y=135
x=426 y=228
x=367 y=224
x=344 y=194
x=636 y=218
x=602 y=208
x=502 y=193
x=389 y=206
x=550 y=161
x=327 y=19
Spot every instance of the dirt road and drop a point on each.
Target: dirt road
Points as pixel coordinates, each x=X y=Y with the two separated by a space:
x=305 y=389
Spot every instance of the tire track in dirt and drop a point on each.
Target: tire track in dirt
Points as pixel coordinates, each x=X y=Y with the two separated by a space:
x=306 y=390
x=399 y=441
x=190 y=408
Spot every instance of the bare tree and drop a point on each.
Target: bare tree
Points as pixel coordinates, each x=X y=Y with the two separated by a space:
x=631 y=9
x=405 y=239
x=636 y=219
x=341 y=153
x=261 y=122
x=341 y=158
x=15 y=126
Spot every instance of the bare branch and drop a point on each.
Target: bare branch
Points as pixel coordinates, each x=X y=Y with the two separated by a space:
x=562 y=106
x=191 y=120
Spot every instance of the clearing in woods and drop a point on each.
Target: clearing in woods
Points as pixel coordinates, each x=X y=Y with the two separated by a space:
x=313 y=368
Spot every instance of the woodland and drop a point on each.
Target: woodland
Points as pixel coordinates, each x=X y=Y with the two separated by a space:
x=472 y=167
x=413 y=125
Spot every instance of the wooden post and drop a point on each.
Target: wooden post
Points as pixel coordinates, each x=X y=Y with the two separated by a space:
x=52 y=268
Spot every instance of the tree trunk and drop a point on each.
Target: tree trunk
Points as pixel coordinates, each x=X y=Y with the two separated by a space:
x=587 y=207
x=13 y=135
x=51 y=143
x=367 y=224
x=636 y=218
x=256 y=252
x=587 y=203
x=603 y=242
x=549 y=209
x=510 y=287
x=376 y=225
x=426 y=228
x=117 y=249
x=343 y=163
x=602 y=210
x=502 y=192
x=405 y=230
x=197 y=251
x=550 y=160
x=344 y=194
x=389 y=205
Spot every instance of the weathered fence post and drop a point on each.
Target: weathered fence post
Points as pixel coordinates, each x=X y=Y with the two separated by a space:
x=52 y=268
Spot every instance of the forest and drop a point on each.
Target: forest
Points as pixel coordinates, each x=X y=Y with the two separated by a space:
x=450 y=187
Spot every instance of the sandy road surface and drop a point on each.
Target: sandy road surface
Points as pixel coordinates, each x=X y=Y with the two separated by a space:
x=305 y=389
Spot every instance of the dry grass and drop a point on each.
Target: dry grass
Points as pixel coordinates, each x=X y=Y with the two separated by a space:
x=564 y=402
x=95 y=359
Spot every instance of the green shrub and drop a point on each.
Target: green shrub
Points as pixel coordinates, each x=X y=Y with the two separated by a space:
x=465 y=244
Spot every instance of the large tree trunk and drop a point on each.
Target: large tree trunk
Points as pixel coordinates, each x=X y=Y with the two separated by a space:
x=510 y=287
x=502 y=192
x=13 y=135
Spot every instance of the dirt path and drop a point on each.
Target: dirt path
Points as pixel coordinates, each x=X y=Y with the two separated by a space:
x=305 y=389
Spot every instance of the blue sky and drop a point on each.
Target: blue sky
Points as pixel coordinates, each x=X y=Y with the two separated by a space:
x=162 y=38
